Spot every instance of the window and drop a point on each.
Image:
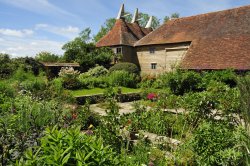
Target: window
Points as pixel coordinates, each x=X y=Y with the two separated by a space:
x=118 y=50
x=153 y=65
x=151 y=50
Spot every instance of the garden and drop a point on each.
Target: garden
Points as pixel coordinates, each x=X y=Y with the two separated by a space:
x=181 y=118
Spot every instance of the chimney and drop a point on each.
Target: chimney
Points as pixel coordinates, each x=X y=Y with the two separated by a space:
x=121 y=12
x=135 y=17
x=149 y=24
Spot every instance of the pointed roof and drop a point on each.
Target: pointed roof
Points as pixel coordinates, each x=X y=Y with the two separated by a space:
x=135 y=17
x=219 y=40
x=123 y=33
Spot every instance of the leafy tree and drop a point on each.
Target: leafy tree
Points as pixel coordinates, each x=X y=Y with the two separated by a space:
x=45 y=56
x=144 y=19
x=85 y=53
x=7 y=67
x=174 y=15
x=108 y=25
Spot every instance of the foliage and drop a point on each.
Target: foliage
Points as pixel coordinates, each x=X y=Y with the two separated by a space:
x=45 y=56
x=181 y=82
x=81 y=51
x=244 y=87
x=93 y=82
x=173 y=15
x=225 y=76
x=71 y=147
x=108 y=25
x=123 y=78
x=144 y=17
x=69 y=76
x=23 y=123
x=97 y=71
x=7 y=67
x=126 y=66
x=109 y=128
x=28 y=64
x=215 y=143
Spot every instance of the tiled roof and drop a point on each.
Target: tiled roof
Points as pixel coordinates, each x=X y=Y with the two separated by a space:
x=123 y=33
x=219 y=40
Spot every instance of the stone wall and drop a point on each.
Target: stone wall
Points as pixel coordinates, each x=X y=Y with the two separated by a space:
x=128 y=53
x=166 y=57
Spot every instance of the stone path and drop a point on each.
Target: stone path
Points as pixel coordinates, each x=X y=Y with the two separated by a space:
x=127 y=107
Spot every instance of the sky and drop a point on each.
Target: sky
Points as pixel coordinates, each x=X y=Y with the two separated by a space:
x=28 y=27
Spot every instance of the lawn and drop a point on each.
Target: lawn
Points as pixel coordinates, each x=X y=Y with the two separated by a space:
x=95 y=91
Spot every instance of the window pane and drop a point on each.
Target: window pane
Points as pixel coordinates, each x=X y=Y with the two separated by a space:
x=151 y=50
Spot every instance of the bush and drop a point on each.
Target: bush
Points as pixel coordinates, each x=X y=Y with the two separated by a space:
x=29 y=65
x=71 y=147
x=126 y=66
x=21 y=75
x=215 y=143
x=97 y=71
x=181 y=82
x=69 y=77
x=226 y=76
x=7 y=67
x=93 y=82
x=123 y=78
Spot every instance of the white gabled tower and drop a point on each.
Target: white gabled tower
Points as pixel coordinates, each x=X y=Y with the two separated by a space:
x=149 y=24
x=135 y=17
x=121 y=12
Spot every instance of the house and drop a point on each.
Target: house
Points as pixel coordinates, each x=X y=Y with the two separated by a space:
x=122 y=37
x=212 y=41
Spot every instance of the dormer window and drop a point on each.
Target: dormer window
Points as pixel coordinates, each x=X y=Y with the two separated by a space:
x=151 y=50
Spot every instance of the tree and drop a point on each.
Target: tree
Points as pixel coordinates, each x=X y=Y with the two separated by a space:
x=174 y=15
x=85 y=53
x=144 y=20
x=45 y=56
x=7 y=67
x=79 y=47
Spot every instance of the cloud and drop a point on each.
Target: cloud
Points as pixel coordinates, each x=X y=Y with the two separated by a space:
x=68 y=31
x=43 y=7
x=18 y=47
x=16 y=33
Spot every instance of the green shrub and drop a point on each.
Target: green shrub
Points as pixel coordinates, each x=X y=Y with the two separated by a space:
x=226 y=76
x=69 y=77
x=71 y=147
x=123 y=78
x=22 y=75
x=129 y=67
x=181 y=82
x=33 y=86
x=7 y=67
x=28 y=64
x=23 y=124
x=216 y=143
x=93 y=82
x=97 y=71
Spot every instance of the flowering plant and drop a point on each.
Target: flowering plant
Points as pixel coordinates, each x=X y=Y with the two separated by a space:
x=152 y=96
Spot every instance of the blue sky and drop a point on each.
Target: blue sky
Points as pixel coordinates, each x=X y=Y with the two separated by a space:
x=31 y=26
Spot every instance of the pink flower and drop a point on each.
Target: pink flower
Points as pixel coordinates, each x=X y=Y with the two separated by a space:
x=151 y=96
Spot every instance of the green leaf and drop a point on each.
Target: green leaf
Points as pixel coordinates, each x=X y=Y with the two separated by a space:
x=66 y=158
x=87 y=157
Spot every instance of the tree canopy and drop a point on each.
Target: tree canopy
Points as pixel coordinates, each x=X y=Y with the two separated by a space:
x=84 y=52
